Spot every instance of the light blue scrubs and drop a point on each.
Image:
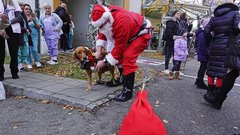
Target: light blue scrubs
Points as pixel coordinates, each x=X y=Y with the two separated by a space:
x=33 y=50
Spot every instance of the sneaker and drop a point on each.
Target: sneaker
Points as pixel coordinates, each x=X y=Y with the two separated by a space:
x=29 y=66
x=38 y=64
x=53 y=63
x=166 y=71
x=49 y=61
x=23 y=69
x=20 y=66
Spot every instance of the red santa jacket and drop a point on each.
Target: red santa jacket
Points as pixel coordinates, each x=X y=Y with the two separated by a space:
x=126 y=25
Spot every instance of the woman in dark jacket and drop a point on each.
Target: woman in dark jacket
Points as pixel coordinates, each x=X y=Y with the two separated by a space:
x=221 y=26
x=202 y=54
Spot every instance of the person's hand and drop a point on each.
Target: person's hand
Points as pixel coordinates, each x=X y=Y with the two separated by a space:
x=28 y=32
x=56 y=29
x=98 y=54
x=4 y=18
x=100 y=65
x=185 y=34
x=43 y=33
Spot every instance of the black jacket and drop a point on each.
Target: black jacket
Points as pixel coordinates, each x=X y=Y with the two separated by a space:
x=24 y=30
x=61 y=12
x=218 y=32
x=172 y=26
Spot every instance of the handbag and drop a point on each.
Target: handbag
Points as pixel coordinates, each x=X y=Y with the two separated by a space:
x=4 y=34
x=232 y=60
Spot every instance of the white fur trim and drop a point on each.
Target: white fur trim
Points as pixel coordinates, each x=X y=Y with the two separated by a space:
x=100 y=42
x=105 y=17
x=111 y=60
x=239 y=26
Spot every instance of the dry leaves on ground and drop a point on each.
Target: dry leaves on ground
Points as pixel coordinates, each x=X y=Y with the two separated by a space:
x=68 y=67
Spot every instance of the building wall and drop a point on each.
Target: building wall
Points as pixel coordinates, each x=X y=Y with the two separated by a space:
x=115 y=2
x=79 y=10
x=135 y=5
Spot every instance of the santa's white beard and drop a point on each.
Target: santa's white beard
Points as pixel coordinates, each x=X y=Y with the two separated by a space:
x=107 y=31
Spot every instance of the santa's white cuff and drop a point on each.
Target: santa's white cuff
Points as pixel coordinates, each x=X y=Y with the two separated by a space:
x=111 y=60
x=100 y=42
x=239 y=26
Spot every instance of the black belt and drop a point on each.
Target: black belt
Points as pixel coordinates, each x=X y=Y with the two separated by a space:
x=144 y=25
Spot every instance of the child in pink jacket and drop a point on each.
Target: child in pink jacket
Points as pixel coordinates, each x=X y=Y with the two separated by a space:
x=180 y=53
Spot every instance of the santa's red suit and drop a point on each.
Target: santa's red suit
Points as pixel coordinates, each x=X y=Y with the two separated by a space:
x=122 y=34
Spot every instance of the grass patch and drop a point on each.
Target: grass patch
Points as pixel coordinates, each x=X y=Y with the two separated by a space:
x=154 y=55
x=70 y=68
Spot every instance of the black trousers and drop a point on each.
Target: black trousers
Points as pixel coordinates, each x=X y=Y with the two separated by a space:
x=168 y=54
x=13 y=44
x=229 y=81
x=64 y=41
x=202 y=69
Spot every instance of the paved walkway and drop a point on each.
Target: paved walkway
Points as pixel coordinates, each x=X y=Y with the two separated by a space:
x=58 y=89
x=65 y=90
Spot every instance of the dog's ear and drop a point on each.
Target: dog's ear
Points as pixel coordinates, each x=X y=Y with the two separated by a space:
x=74 y=54
x=87 y=50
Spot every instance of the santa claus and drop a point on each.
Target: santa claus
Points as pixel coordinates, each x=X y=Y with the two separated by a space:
x=125 y=35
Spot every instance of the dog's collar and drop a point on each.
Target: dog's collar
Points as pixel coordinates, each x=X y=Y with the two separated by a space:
x=88 y=62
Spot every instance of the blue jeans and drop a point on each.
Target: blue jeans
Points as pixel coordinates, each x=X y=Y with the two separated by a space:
x=33 y=52
x=176 y=65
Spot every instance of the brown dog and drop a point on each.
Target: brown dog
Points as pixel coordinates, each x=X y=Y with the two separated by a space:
x=85 y=56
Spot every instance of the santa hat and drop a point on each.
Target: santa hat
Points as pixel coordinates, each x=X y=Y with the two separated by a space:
x=100 y=15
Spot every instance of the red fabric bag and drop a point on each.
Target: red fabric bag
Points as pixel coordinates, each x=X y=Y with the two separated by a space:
x=141 y=120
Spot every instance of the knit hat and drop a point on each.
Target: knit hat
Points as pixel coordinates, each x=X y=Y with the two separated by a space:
x=174 y=12
x=204 y=22
x=181 y=31
x=100 y=15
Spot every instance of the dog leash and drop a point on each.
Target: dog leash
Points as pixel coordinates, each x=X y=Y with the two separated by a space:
x=145 y=72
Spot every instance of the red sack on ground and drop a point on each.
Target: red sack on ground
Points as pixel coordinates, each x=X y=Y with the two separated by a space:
x=141 y=120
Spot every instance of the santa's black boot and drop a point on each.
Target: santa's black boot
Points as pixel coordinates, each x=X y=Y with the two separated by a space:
x=127 y=91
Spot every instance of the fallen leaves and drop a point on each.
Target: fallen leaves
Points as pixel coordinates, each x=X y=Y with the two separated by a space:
x=20 y=97
x=45 y=101
x=165 y=121
x=236 y=128
x=15 y=127
x=154 y=55
x=68 y=107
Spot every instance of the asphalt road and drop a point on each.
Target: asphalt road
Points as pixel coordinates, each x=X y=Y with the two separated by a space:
x=181 y=106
